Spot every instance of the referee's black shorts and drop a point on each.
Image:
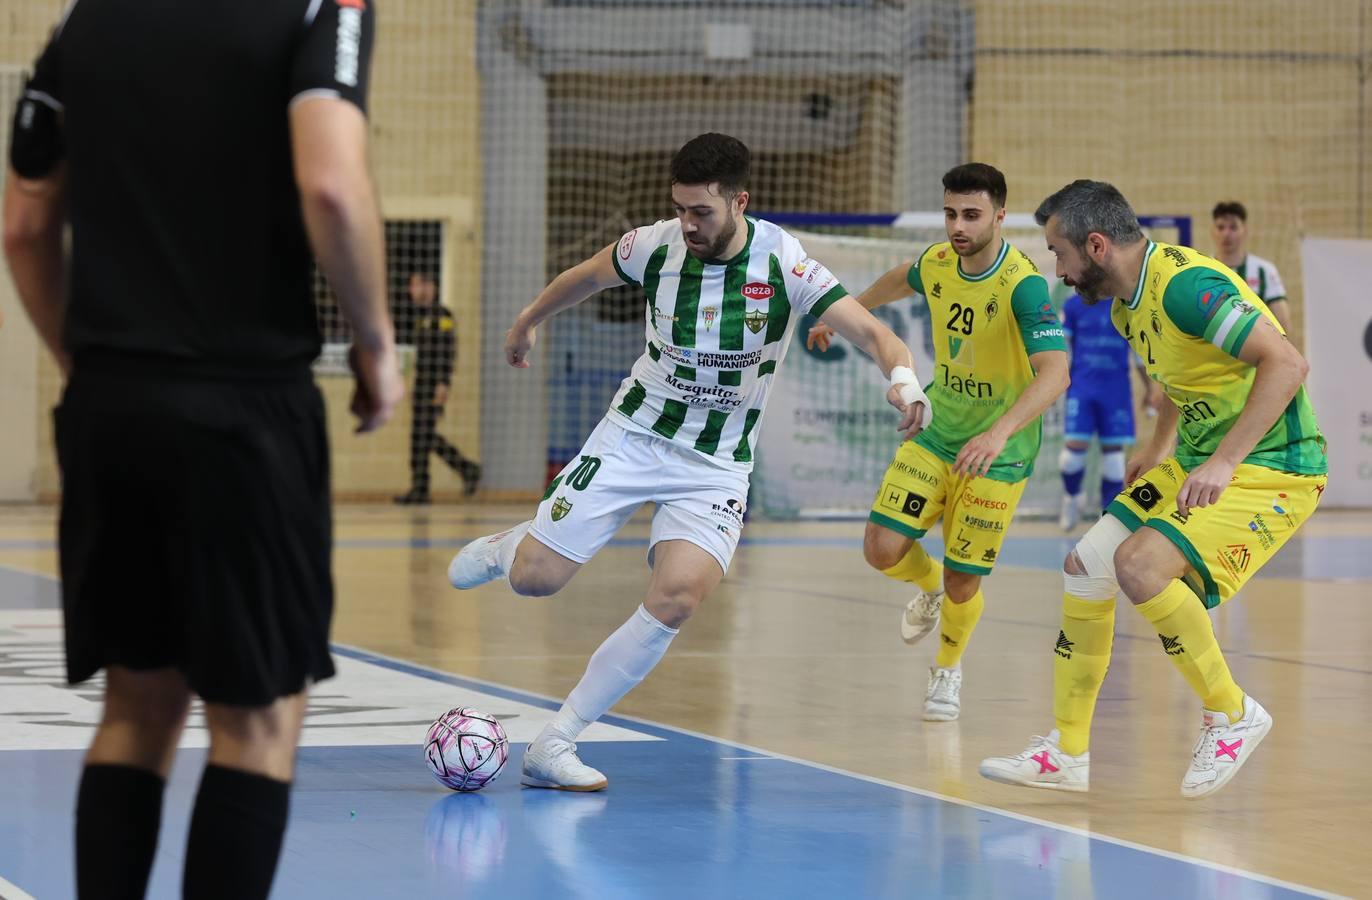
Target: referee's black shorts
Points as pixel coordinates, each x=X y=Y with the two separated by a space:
x=196 y=531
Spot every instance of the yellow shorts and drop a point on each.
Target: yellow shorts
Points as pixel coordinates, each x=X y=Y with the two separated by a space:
x=1225 y=543
x=919 y=487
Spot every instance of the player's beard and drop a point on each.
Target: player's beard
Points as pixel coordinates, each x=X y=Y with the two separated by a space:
x=1091 y=285
x=974 y=246
x=715 y=249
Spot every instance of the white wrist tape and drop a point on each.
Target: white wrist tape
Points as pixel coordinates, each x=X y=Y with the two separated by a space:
x=903 y=377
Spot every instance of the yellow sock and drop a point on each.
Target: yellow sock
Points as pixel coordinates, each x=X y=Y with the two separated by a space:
x=1183 y=623
x=1081 y=659
x=956 y=623
x=918 y=568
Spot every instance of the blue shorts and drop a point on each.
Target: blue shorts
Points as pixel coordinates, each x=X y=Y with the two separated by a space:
x=1107 y=413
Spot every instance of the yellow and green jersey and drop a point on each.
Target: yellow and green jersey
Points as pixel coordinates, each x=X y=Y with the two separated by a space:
x=1189 y=318
x=985 y=328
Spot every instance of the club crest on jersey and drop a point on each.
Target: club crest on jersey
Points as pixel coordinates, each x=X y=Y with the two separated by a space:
x=1155 y=323
x=756 y=320
x=708 y=314
x=991 y=309
x=560 y=509
x=757 y=290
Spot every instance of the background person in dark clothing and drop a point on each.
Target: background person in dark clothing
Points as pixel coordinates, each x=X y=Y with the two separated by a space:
x=199 y=152
x=435 y=339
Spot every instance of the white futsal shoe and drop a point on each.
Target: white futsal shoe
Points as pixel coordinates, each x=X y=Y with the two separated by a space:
x=477 y=563
x=1071 y=512
x=920 y=616
x=1042 y=764
x=943 y=699
x=1223 y=747
x=551 y=762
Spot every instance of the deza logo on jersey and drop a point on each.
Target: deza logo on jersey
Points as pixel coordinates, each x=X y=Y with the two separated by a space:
x=756 y=290
x=348 y=48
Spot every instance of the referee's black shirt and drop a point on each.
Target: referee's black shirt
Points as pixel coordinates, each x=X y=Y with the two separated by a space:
x=188 y=246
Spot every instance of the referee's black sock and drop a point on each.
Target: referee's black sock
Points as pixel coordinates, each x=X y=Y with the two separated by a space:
x=118 y=812
x=236 y=832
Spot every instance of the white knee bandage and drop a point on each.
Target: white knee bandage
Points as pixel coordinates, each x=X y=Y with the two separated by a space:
x=1112 y=465
x=1096 y=550
x=1070 y=461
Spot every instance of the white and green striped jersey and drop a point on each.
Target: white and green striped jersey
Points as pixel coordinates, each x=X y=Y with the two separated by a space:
x=1262 y=277
x=716 y=333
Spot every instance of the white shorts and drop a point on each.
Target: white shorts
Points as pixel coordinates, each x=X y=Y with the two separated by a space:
x=617 y=472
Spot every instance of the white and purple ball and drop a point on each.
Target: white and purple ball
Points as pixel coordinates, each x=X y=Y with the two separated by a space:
x=466 y=749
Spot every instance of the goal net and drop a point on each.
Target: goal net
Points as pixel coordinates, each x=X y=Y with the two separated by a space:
x=845 y=107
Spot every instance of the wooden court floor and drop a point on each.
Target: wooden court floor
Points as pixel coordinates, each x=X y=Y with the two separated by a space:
x=798 y=653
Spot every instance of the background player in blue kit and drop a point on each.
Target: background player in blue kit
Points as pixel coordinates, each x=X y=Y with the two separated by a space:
x=1098 y=402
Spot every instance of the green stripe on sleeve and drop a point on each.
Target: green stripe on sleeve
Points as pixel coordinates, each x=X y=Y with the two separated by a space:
x=1197 y=298
x=1217 y=322
x=1239 y=333
x=912 y=277
x=614 y=258
x=831 y=296
x=708 y=442
x=653 y=353
x=673 y=414
x=1039 y=326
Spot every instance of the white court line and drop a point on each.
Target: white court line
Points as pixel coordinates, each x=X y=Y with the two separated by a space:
x=933 y=795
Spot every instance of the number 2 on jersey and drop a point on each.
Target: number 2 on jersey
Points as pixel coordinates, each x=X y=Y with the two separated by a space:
x=961 y=312
x=1147 y=346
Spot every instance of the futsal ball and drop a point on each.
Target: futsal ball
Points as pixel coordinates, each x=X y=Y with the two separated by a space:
x=466 y=749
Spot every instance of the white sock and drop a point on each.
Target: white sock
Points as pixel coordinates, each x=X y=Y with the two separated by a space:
x=509 y=544
x=620 y=663
x=566 y=724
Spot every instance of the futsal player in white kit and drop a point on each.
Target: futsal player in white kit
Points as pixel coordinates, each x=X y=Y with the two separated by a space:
x=724 y=293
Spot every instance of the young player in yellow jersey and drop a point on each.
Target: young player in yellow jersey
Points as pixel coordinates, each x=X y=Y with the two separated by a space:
x=1236 y=465
x=1000 y=361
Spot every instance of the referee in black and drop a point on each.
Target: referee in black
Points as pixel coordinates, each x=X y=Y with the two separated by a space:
x=435 y=340
x=199 y=151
